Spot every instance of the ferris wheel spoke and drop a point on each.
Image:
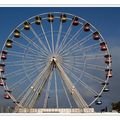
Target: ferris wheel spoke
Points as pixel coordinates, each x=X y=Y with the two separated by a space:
x=46 y=38
x=87 y=74
x=20 y=82
x=65 y=37
x=25 y=47
x=92 y=66
x=24 y=92
x=79 y=43
x=81 y=82
x=58 y=37
x=35 y=85
x=39 y=87
x=20 y=71
x=27 y=57
x=21 y=61
x=52 y=36
x=85 y=85
x=56 y=91
x=27 y=91
x=73 y=37
x=47 y=91
x=21 y=53
x=40 y=41
x=88 y=48
x=76 y=95
x=66 y=94
x=87 y=56
x=21 y=64
x=33 y=44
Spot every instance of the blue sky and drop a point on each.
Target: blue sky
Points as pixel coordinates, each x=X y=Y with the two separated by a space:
x=106 y=20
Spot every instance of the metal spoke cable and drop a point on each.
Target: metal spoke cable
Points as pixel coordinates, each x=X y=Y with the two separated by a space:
x=22 y=80
x=82 y=83
x=90 y=47
x=33 y=44
x=34 y=84
x=38 y=87
x=31 y=75
x=79 y=43
x=67 y=34
x=40 y=41
x=86 y=74
x=58 y=36
x=71 y=39
x=46 y=38
x=52 y=36
x=17 y=72
x=25 y=47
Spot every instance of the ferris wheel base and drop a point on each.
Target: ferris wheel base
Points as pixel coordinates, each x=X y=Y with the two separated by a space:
x=55 y=110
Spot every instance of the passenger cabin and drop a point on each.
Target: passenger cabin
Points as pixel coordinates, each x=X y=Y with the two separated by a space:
x=26 y=25
x=103 y=46
x=97 y=96
x=75 y=21
x=63 y=18
x=9 y=43
x=17 y=33
x=108 y=59
x=7 y=90
x=37 y=20
x=1 y=82
x=105 y=83
x=4 y=55
x=108 y=73
x=86 y=27
x=106 y=89
x=96 y=36
x=7 y=96
x=98 y=102
x=2 y=67
x=50 y=17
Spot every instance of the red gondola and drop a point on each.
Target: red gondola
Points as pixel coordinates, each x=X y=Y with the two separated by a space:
x=50 y=17
x=108 y=59
x=37 y=20
x=1 y=82
x=7 y=96
x=17 y=33
x=108 y=73
x=96 y=36
x=75 y=21
x=63 y=18
x=4 y=55
x=26 y=25
x=9 y=43
x=103 y=46
x=2 y=67
x=86 y=27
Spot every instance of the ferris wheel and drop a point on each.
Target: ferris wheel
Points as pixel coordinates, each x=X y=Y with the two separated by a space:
x=55 y=60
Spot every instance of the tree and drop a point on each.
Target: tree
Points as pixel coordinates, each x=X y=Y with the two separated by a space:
x=116 y=106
